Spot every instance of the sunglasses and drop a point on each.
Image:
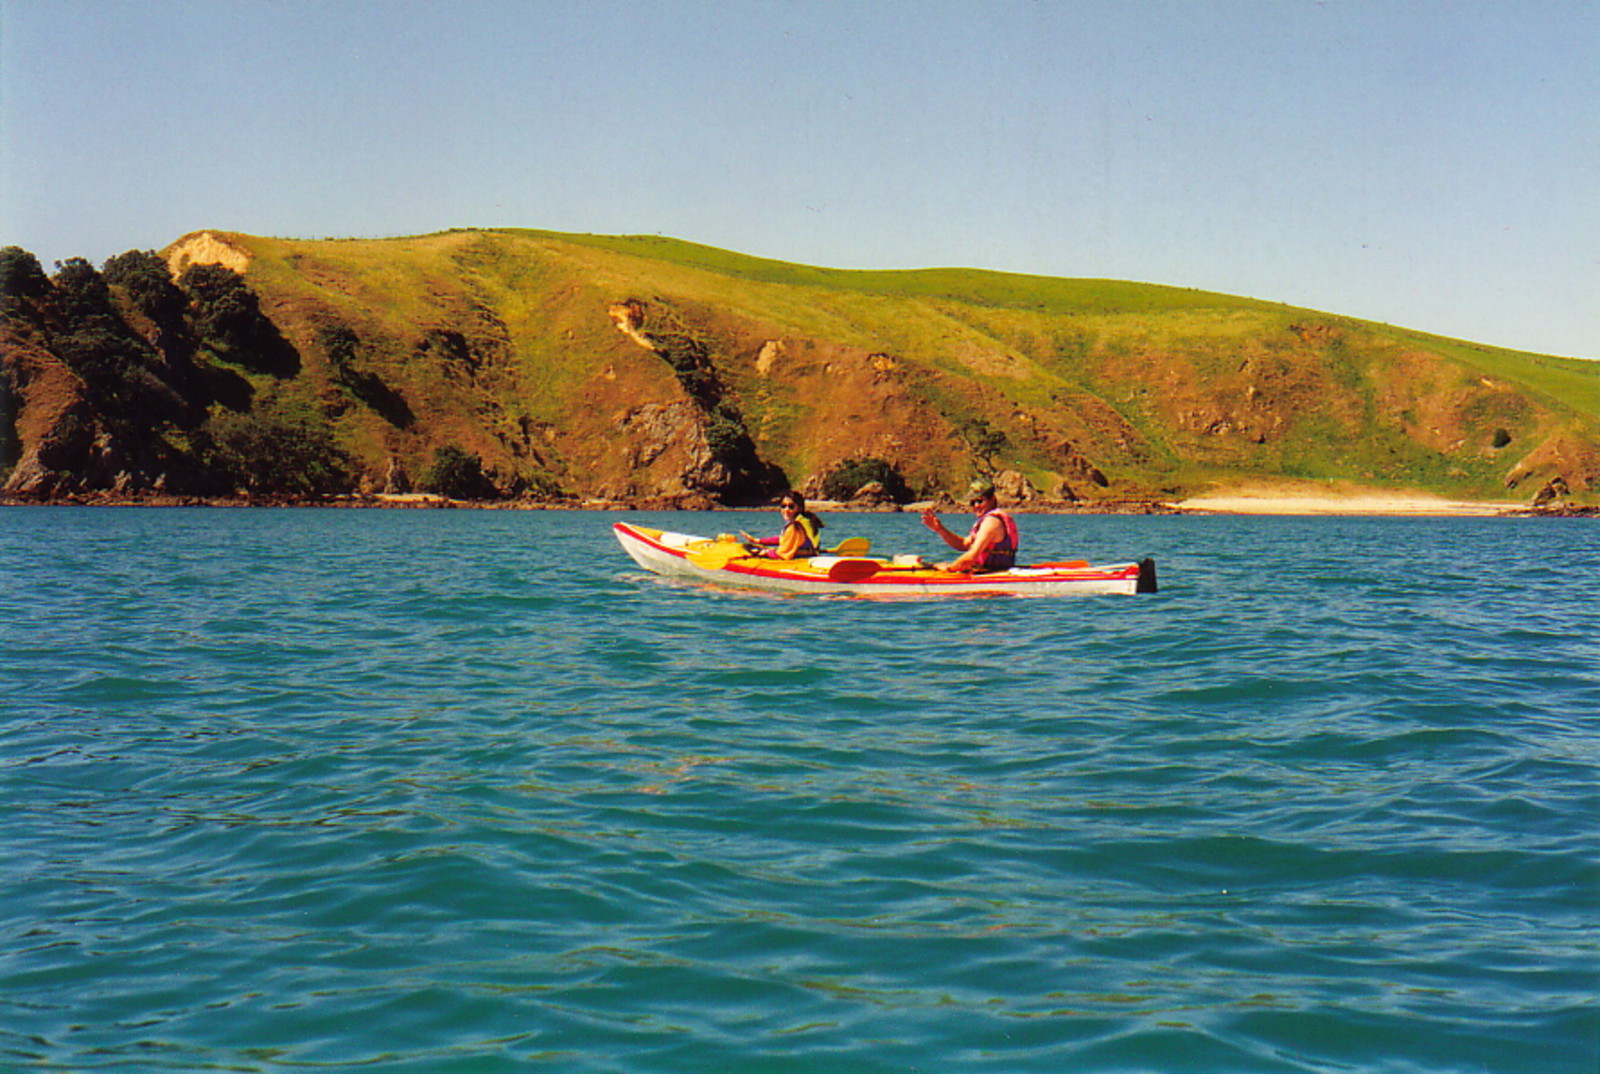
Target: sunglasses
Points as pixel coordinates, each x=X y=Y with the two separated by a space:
x=789 y=506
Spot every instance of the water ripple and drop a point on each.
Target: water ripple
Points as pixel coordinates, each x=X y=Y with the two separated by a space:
x=441 y=791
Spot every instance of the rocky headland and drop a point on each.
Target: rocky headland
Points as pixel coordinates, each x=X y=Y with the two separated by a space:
x=534 y=370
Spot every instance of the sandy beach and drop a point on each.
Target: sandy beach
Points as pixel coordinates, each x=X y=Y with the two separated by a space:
x=1298 y=503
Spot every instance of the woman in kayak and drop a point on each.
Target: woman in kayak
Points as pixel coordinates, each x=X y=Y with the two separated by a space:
x=991 y=544
x=801 y=533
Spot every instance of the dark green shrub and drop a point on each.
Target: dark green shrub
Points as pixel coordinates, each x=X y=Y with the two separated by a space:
x=984 y=442
x=94 y=339
x=341 y=344
x=82 y=297
x=143 y=276
x=228 y=318
x=10 y=445
x=20 y=275
x=848 y=477
x=343 y=347
x=726 y=436
x=459 y=475
x=276 y=454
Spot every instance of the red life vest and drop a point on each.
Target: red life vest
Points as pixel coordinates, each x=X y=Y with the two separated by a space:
x=1001 y=555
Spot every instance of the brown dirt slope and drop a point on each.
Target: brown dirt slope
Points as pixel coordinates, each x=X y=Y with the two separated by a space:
x=635 y=369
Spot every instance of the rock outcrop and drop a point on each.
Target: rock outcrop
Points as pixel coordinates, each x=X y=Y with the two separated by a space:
x=706 y=427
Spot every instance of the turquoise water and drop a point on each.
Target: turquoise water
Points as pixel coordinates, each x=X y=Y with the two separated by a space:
x=465 y=791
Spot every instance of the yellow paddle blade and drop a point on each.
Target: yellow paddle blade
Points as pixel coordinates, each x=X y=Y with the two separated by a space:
x=852 y=546
x=715 y=555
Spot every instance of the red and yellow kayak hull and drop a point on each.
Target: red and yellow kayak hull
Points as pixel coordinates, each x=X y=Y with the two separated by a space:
x=703 y=559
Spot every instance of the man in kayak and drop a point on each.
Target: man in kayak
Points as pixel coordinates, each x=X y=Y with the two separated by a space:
x=801 y=533
x=991 y=544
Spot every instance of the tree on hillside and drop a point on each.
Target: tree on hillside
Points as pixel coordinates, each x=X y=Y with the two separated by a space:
x=459 y=475
x=81 y=294
x=95 y=340
x=274 y=454
x=142 y=275
x=20 y=276
x=848 y=478
x=228 y=319
x=984 y=442
x=10 y=444
x=123 y=406
x=342 y=347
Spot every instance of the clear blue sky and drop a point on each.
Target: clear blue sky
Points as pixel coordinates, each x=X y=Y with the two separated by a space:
x=1428 y=163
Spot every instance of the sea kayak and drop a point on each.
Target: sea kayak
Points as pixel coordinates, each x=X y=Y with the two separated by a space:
x=705 y=559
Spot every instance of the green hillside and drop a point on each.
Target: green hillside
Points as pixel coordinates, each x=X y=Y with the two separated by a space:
x=1574 y=380
x=640 y=367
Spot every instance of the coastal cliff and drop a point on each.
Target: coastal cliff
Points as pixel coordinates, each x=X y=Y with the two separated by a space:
x=542 y=367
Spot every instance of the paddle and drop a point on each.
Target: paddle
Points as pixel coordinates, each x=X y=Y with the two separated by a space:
x=715 y=559
x=715 y=555
x=855 y=570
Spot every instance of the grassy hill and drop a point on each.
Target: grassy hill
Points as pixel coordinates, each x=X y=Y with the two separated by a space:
x=639 y=367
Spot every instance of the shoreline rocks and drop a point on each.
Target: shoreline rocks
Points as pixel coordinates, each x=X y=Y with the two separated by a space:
x=1331 y=506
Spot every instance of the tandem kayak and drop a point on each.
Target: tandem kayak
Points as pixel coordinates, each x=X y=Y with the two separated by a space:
x=704 y=559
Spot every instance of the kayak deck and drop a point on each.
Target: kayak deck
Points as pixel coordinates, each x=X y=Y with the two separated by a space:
x=682 y=555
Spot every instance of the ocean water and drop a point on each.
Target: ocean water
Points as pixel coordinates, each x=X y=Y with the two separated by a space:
x=288 y=790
